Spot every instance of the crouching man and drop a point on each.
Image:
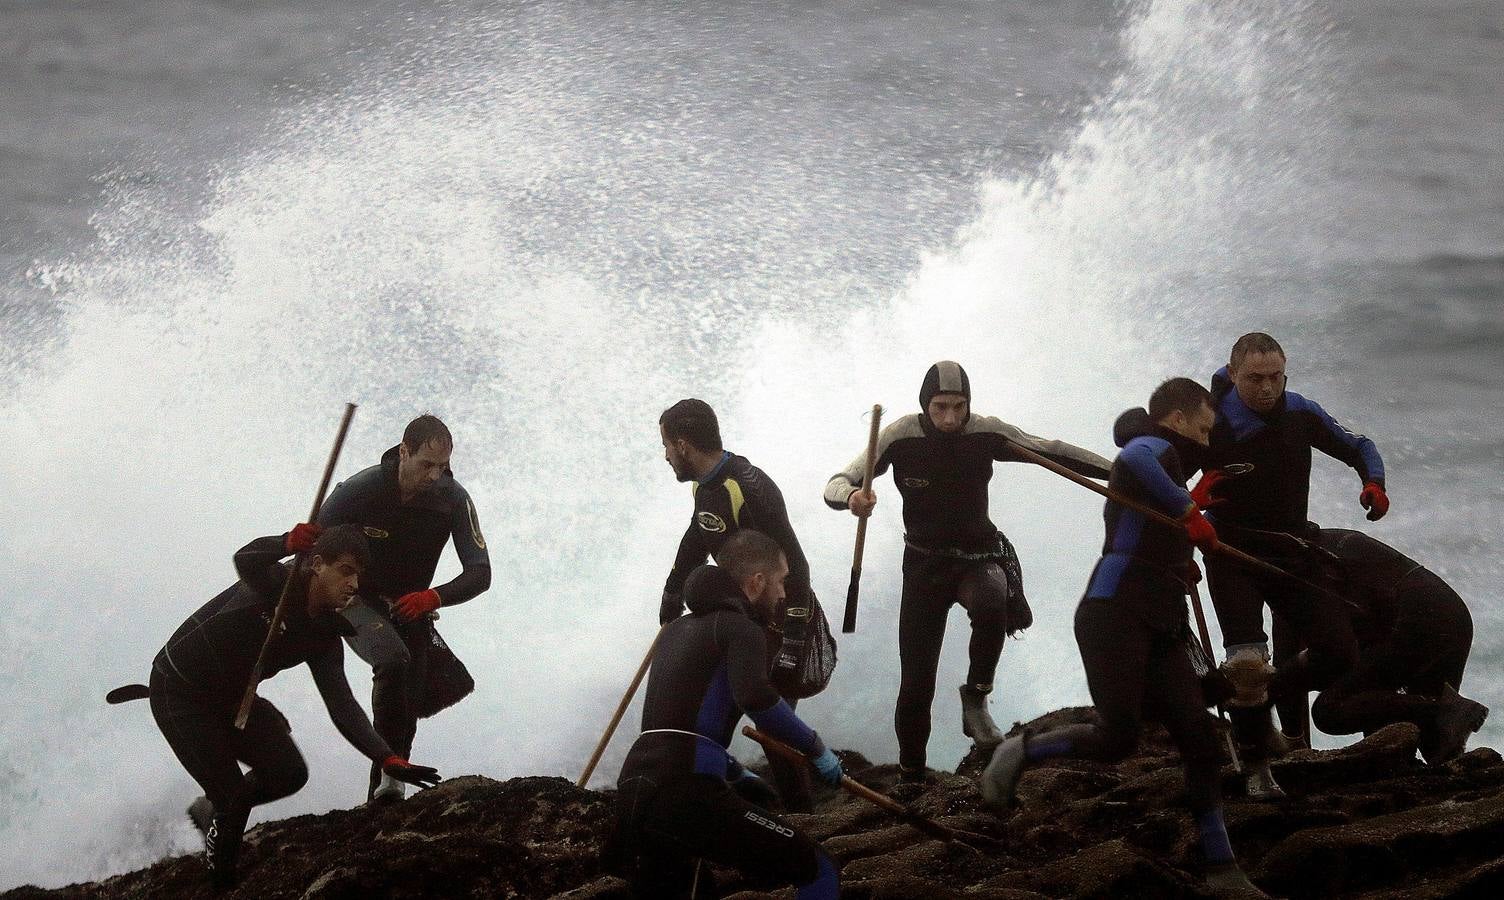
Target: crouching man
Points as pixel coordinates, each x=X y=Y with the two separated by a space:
x=198 y=678
x=682 y=795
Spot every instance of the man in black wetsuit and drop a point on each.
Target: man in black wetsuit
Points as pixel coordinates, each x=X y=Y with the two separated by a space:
x=1131 y=624
x=942 y=462
x=198 y=677
x=681 y=795
x=410 y=506
x=1414 y=636
x=731 y=494
x=1261 y=457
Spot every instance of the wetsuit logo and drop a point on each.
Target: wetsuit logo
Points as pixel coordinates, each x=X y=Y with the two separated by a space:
x=1238 y=468
x=769 y=824
x=376 y=533
x=711 y=522
x=916 y=482
x=480 y=539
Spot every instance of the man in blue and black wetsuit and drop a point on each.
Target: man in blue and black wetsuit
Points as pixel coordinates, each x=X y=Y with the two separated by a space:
x=681 y=793
x=1259 y=485
x=411 y=507
x=1131 y=625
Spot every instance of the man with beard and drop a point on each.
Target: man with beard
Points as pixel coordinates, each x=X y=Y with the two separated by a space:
x=410 y=506
x=731 y=494
x=1131 y=624
x=199 y=676
x=1256 y=490
x=681 y=794
x=942 y=462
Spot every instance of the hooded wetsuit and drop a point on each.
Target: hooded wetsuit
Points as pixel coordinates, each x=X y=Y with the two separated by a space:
x=407 y=539
x=1132 y=630
x=953 y=553
x=199 y=676
x=674 y=803
x=1414 y=635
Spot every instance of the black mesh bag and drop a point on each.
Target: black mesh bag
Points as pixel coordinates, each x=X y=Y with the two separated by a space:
x=817 y=660
x=446 y=680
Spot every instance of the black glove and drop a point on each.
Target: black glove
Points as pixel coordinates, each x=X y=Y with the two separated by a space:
x=671 y=608
x=756 y=791
x=402 y=770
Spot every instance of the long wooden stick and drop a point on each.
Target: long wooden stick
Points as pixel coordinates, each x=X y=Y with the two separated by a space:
x=621 y=710
x=1211 y=658
x=1224 y=549
x=281 y=611
x=848 y=622
x=852 y=786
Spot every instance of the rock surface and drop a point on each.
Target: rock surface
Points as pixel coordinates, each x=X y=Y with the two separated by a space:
x=1366 y=821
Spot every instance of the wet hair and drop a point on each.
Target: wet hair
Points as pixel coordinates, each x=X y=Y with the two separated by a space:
x=424 y=430
x=747 y=552
x=694 y=421
x=1181 y=394
x=1252 y=342
x=343 y=540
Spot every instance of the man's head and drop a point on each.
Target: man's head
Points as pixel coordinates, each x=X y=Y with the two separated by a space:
x=1184 y=407
x=756 y=563
x=1257 y=370
x=340 y=556
x=691 y=437
x=423 y=456
x=945 y=396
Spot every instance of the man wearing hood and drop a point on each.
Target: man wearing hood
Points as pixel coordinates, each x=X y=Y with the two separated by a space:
x=1258 y=485
x=1131 y=624
x=199 y=676
x=410 y=506
x=942 y=461
x=1414 y=637
x=681 y=794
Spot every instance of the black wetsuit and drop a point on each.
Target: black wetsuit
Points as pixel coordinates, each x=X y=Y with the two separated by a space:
x=407 y=540
x=1414 y=635
x=953 y=553
x=1131 y=624
x=1267 y=460
x=199 y=676
x=674 y=803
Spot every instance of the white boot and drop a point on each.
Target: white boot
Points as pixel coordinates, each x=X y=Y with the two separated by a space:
x=390 y=790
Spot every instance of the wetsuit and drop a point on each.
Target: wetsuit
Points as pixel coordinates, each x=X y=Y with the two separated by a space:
x=674 y=801
x=407 y=540
x=1132 y=630
x=198 y=678
x=1267 y=460
x=952 y=551
x=1414 y=635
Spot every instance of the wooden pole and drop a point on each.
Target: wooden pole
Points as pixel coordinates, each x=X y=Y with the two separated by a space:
x=621 y=710
x=848 y=622
x=281 y=610
x=852 y=786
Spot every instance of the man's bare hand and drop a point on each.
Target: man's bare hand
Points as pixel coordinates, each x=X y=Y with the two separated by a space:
x=861 y=503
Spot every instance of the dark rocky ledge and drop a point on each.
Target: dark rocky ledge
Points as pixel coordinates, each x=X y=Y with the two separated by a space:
x=1366 y=821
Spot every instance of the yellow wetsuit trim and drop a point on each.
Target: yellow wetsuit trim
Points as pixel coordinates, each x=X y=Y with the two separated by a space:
x=734 y=491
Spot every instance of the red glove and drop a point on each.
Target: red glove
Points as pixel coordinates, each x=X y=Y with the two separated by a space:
x=417 y=604
x=402 y=770
x=1374 y=500
x=1200 y=531
x=302 y=537
x=1202 y=492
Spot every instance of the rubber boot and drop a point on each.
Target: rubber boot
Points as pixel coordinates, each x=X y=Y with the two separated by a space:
x=1000 y=778
x=1227 y=880
x=222 y=845
x=389 y=791
x=1456 y=718
x=1261 y=783
x=976 y=721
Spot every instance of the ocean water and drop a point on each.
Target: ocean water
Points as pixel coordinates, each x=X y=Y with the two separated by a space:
x=547 y=221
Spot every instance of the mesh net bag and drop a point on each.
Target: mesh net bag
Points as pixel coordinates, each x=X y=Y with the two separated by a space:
x=817 y=659
x=446 y=680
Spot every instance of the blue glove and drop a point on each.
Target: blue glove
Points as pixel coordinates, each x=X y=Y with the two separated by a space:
x=829 y=767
